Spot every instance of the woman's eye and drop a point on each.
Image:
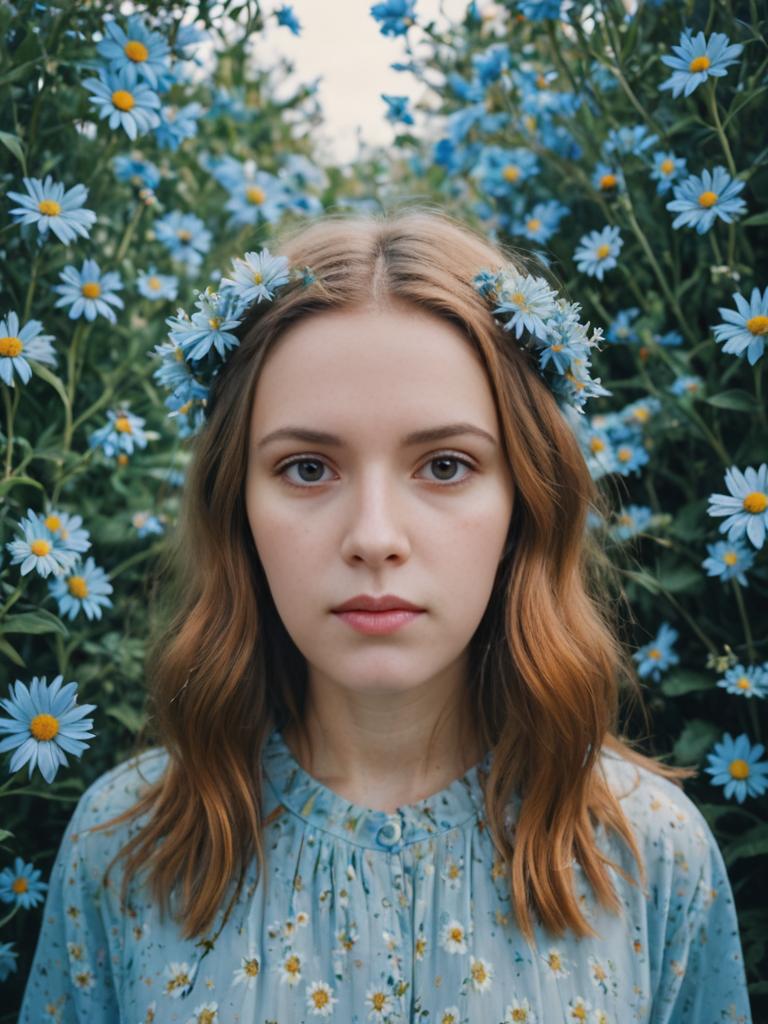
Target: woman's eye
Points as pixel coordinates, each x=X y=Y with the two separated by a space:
x=317 y=466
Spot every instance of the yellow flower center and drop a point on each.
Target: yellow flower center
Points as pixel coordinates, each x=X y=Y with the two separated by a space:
x=608 y=181
x=293 y=964
x=123 y=425
x=667 y=166
x=457 y=934
x=44 y=727
x=743 y=683
x=378 y=1000
x=626 y=520
x=730 y=558
x=541 y=82
x=207 y=1017
x=154 y=283
x=579 y=1013
x=53 y=523
x=320 y=997
x=603 y=251
x=10 y=345
x=596 y=445
x=183 y=235
x=179 y=354
x=533 y=224
x=739 y=768
x=554 y=961
x=520 y=1015
x=185 y=407
x=654 y=653
x=478 y=972
x=20 y=885
x=40 y=547
x=77 y=586
x=642 y=414
x=699 y=63
x=624 y=454
x=91 y=289
x=135 y=51
x=756 y=502
x=49 y=207
x=511 y=172
x=258 y=277
x=122 y=459
x=251 y=968
x=758 y=325
x=707 y=199
x=214 y=323
x=255 y=194
x=122 y=99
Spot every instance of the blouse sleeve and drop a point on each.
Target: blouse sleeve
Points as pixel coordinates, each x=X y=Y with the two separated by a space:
x=702 y=977
x=71 y=980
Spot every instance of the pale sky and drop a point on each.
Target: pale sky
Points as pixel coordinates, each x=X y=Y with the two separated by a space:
x=341 y=41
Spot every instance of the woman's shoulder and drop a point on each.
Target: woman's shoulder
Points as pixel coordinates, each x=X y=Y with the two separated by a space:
x=119 y=788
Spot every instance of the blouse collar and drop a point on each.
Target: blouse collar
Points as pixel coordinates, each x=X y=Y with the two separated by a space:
x=460 y=802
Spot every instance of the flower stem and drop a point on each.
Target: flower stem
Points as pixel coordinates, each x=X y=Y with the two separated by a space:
x=744 y=620
x=10 y=411
x=719 y=128
x=31 y=287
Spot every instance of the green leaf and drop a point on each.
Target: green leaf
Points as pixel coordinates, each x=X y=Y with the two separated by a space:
x=5 y=834
x=678 y=683
x=756 y=220
x=13 y=142
x=741 y=401
x=132 y=719
x=11 y=653
x=753 y=843
x=680 y=578
x=6 y=485
x=644 y=580
x=695 y=740
x=40 y=621
x=52 y=379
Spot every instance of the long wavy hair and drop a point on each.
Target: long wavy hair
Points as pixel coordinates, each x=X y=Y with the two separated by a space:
x=548 y=676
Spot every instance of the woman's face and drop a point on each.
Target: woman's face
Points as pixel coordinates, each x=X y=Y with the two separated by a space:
x=374 y=513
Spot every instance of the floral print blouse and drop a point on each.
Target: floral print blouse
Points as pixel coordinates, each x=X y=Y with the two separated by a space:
x=386 y=918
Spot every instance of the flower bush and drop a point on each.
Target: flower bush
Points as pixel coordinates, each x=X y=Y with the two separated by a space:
x=141 y=153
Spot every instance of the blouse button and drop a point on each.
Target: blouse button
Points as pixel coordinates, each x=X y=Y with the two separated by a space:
x=390 y=833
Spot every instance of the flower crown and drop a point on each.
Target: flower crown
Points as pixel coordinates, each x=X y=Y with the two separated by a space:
x=199 y=345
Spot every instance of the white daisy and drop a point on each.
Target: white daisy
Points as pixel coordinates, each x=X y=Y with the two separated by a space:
x=290 y=969
x=320 y=999
x=554 y=961
x=179 y=978
x=453 y=937
x=205 y=1013
x=84 y=978
x=257 y=273
x=450 y=1015
x=248 y=971
x=379 y=1002
x=519 y=1012
x=481 y=972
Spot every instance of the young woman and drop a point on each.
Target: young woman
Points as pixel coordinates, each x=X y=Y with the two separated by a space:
x=423 y=813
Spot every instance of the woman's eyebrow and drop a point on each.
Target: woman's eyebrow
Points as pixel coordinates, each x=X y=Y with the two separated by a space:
x=417 y=437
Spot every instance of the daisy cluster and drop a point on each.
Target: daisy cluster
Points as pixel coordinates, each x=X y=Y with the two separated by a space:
x=548 y=326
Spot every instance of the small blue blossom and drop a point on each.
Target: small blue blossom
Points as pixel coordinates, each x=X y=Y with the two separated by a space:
x=395 y=17
x=128 y=106
x=670 y=339
x=746 y=506
x=630 y=456
x=540 y=10
x=41 y=549
x=83 y=588
x=607 y=178
x=700 y=199
x=68 y=529
x=46 y=724
x=621 y=330
x=657 y=656
x=177 y=124
x=736 y=765
x=288 y=19
x=629 y=140
x=141 y=173
x=529 y=300
x=18 y=344
x=728 y=561
x=540 y=223
x=688 y=384
x=698 y=58
x=211 y=327
x=49 y=206
x=122 y=433
x=501 y=171
x=146 y=524
x=185 y=237
x=138 y=51
x=746 y=326
x=667 y=168
x=598 y=251
x=397 y=109
x=599 y=452
x=256 y=275
x=88 y=292
x=751 y=681
x=631 y=521
x=637 y=414
x=157 y=286
x=8 y=957
x=22 y=885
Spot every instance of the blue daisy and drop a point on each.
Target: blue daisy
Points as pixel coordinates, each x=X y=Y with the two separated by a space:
x=397 y=108
x=701 y=199
x=657 y=656
x=638 y=414
x=68 y=529
x=122 y=433
x=46 y=724
x=177 y=124
x=82 y=589
x=22 y=885
x=526 y=302
x=540 y=223
x=18 y=344
x=599 y=453
x=8 y=957
x=175 y=374
x=751 y=681
x=50 y=207
x=502 y=171
x=629 y=140
x=140 y=173
x=697 y=59
x=670 y=339
x=747 y=326
x=256 y=276
x=607 y=178
x=736 y=765
x=631 y=521
x=127 y=105
x=728 y=561
x=667 y=167
x=185 y=236
x=687 y=384
x=210 y=327
x=540 y=10
x=41 y=548
x=146 y=524
x=630 y=456
x=157 y=286
x=137 y=51
x=746 y=506
x=88 y=292
x=255 y=196
x=598 y=251
x=621 y=330
x=395 y=17
x=286 y=17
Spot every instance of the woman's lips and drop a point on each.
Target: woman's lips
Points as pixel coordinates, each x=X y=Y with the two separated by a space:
x=378 y=623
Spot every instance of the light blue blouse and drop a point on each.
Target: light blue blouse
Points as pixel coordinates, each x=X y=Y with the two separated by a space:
x=390 y=918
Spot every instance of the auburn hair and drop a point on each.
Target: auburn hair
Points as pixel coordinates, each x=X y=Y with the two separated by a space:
x=548 y=670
